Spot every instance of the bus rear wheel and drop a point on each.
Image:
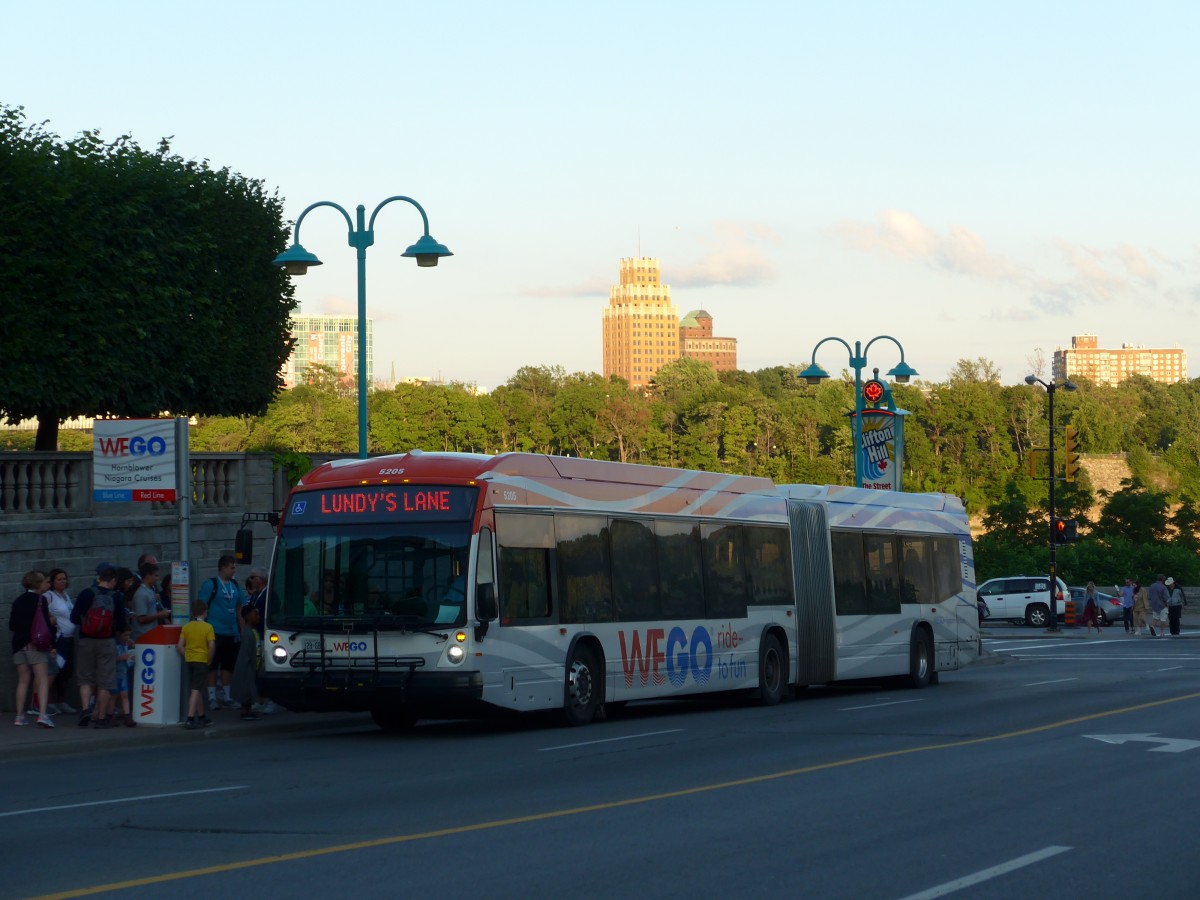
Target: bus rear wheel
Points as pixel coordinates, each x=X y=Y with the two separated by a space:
x=394 y=720
x=920 y=665
x=772 y=671
x=584 y=686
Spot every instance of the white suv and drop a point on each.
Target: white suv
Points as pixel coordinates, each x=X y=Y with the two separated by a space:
x=1023 y=599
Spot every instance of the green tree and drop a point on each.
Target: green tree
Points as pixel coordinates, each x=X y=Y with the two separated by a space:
x=1136 y=513
x=150 y=273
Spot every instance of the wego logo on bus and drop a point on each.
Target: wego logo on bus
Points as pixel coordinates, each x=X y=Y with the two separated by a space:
x=679 y=656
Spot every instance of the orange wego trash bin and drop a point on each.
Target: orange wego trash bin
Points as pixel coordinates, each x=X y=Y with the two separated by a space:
x=158 y=677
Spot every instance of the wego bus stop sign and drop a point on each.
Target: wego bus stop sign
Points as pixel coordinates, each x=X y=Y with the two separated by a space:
x=133 y=460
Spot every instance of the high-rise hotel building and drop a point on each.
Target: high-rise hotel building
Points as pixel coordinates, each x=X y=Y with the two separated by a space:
x=1086 y=359
x=329 y=341
x=696 y=341
x=641 y=324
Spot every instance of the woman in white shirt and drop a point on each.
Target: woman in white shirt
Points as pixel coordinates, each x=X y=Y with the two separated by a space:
x=60 y=606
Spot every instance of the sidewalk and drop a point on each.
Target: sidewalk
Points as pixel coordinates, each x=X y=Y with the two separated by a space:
x=68 y=738
x=1189 y=628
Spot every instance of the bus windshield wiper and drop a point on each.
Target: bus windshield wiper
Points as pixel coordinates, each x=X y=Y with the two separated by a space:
x=413 y=623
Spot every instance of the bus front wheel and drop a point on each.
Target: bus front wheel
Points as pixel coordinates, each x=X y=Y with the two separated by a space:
x=772 y=671
x=584 y=686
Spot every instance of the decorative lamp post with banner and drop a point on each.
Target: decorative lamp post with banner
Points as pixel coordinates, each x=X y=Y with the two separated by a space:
x=878 y=428
x=296 y=261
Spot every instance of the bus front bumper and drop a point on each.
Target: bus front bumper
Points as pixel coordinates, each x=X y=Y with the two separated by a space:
x=356 y=690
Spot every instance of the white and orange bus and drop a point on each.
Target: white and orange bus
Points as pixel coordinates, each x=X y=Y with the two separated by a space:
x=433 y=585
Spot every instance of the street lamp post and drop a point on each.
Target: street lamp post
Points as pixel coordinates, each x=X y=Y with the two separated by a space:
x=902 y=372
x=296 y=261
x=1050 y=387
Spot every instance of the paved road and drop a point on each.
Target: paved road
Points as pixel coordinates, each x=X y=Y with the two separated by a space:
x=1020 y=777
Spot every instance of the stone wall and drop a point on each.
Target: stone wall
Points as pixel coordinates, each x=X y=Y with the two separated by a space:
x=48 y=519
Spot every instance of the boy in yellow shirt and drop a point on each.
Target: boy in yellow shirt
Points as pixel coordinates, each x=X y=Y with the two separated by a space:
x=197 y=644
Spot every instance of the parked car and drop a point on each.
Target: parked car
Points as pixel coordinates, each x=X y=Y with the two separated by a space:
x=1022 y=599
x=1108 y=607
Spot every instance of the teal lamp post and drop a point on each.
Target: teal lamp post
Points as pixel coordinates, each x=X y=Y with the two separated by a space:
x=873 y=392
x=295 y=260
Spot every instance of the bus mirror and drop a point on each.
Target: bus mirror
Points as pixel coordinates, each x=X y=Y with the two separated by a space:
x=485 y=602
x=243 y=546
x=485 y=609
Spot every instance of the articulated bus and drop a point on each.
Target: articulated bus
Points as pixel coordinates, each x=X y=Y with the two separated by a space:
x=437 y=585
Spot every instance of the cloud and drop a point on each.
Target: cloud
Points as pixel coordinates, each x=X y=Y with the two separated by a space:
x=903 y=236
x=593 y=287
x=734 y=257
x=1090 y=275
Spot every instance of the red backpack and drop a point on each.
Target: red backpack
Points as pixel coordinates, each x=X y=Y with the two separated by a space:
x=98 y=623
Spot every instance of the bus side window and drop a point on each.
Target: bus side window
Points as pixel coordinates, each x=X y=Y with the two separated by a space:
x=849 y=578
x=917 y=571
x=525 y=543
x=679 y=565
x=724 y=570
x=634 y=571
x=769 y=562
x=584 y=568
x=524 y=584
x=883 y=582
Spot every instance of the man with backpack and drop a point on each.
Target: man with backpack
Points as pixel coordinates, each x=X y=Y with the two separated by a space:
x=225 y=599
x=99 y=616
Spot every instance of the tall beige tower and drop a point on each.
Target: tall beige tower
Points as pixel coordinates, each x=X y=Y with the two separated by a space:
x=641 y=324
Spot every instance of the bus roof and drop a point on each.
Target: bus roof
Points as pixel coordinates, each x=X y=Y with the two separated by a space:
x=417 y=465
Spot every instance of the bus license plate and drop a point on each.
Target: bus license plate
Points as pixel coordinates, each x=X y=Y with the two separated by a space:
x=313 y=645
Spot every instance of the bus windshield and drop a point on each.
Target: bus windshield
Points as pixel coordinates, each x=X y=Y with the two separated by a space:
x=395 y=575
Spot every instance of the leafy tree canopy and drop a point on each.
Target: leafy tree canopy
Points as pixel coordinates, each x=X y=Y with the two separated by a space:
x=137 y=283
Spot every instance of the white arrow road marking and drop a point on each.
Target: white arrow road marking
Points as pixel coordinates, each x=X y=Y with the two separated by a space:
x=1169 y=745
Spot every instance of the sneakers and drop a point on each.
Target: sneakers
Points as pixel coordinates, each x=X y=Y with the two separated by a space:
x=101 y=723
x=230 y=703
x=67 y=709
x=266 y=707
x=20 y=721
x=44 y=722
x=85 y=720
x=191 y=724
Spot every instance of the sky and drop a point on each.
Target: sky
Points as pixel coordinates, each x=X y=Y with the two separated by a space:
x=974 y=180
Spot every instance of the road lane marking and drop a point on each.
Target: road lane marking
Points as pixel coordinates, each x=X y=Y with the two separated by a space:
x=1168 y=745
x=1109 y=658
x=878 y=705
x=987 y=874
x=626 y=737
x=21 y=812
x=1055 y=681
x=550 y=815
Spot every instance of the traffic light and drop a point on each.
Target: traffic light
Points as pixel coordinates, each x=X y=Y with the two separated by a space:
x=1071 y=437
x=1066 y=531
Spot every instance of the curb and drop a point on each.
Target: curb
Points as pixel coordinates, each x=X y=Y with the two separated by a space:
x=78 y=741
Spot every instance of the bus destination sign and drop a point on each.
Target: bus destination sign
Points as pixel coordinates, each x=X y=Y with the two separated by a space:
x=383 y=503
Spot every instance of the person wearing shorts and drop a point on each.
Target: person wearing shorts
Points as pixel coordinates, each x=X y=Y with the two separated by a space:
x=96 y=657
x=225 y=599
x=197 y=645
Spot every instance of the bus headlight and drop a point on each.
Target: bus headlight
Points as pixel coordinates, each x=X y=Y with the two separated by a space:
x=455 y=654
x=279 y=654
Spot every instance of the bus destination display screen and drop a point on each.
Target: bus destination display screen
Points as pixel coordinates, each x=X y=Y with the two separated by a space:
x=383 y=503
